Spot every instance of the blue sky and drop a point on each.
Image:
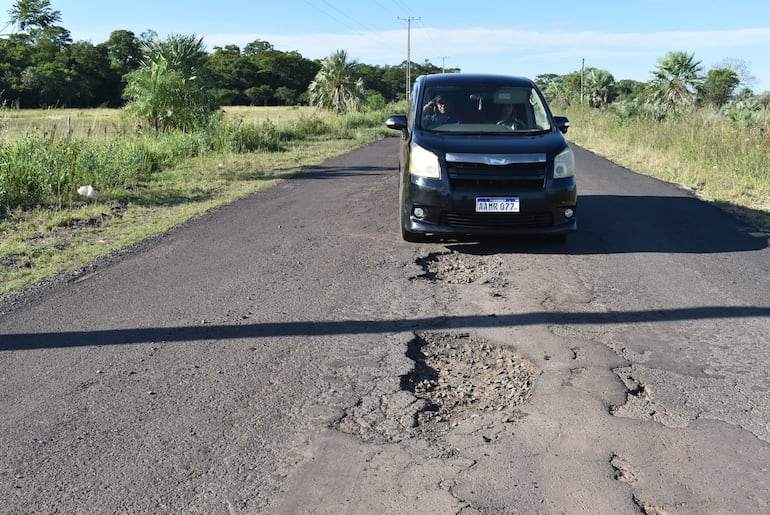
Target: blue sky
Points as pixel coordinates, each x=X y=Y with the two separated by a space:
x=517 y=37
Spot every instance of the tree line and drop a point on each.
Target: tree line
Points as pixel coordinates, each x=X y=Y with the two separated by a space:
x=40 y=66
x=677 y=83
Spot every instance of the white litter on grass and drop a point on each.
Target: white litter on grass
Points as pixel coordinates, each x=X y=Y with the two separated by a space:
x=87 y=191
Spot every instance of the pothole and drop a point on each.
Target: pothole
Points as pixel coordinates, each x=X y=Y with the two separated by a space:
x=459 y=375
x=453 y=267
x=456 y=376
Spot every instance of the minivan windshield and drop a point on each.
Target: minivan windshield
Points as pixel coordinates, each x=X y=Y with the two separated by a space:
x=483 y=109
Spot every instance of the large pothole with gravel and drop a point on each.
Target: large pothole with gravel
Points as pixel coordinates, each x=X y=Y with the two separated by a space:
x=456 y=376
x=459 y=375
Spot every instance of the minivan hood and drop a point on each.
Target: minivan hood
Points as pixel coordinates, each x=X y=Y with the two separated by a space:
x=550 y=143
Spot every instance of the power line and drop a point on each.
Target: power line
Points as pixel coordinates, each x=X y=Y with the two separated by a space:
x=317 y=8
x=346 y=15
x=403 y=5
x=385 y=8
x=372 y=33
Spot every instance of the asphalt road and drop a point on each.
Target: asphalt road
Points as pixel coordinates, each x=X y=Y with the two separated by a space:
x=262 y=359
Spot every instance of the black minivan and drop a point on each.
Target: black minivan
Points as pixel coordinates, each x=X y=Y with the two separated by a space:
x=482 y=154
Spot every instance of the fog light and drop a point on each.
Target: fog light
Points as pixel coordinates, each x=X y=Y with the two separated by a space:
x=419 y=213
x=569 y=213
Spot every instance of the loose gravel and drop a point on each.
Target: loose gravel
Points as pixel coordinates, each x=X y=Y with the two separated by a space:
x=455 y=268
x=456 y=376
x=460 y=375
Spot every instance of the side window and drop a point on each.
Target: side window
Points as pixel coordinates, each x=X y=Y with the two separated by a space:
x=412 y=111
x=541 y=117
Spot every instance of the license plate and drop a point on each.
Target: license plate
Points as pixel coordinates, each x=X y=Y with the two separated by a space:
x=497 y=205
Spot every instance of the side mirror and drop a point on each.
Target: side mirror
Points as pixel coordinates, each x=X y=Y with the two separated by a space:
x=562 y=123
x=396 y=122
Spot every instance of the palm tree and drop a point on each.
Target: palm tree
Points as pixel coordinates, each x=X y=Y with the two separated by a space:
x=33 y=13
x=167 y=90
x=181 y=52
x=676 y=81
x=337 y=85
x=599 y=87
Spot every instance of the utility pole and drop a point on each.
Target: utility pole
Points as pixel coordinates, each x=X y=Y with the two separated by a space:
x=443 y=63
x=408 y=21
x=582 y=79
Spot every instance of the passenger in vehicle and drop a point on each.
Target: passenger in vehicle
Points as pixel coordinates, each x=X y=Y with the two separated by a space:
x=438 y=111
x=507 y=116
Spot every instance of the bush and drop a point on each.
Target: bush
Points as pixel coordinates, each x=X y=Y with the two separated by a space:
x=307 y=127
x=375 y=102
x=239 y=137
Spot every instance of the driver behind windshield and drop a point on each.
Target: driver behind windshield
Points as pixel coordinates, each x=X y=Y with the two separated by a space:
x=507 y=116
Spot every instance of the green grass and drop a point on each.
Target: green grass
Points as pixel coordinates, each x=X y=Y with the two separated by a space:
x=721 y=161
x=147 y=185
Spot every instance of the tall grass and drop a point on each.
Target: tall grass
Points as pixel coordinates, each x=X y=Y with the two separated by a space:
x=47 y=170
x=147 y=183
x=721 y=159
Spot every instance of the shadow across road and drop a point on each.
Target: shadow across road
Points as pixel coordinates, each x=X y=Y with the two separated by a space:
x=326 y=172
x=614 y=224
x=28 y=341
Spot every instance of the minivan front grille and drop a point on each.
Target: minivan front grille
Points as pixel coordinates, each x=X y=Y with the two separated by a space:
x=505 y=173
x=471 y=220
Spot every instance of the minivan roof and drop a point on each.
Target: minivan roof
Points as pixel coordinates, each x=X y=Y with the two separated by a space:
x=473 y=78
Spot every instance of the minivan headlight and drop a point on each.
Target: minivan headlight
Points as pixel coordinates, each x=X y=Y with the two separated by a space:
x=424 y=163
x=564 y=164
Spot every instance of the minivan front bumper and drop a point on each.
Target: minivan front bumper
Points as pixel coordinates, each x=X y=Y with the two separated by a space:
x=433 y=207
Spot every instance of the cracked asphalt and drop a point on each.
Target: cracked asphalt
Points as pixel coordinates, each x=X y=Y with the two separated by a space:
x=289 y=353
